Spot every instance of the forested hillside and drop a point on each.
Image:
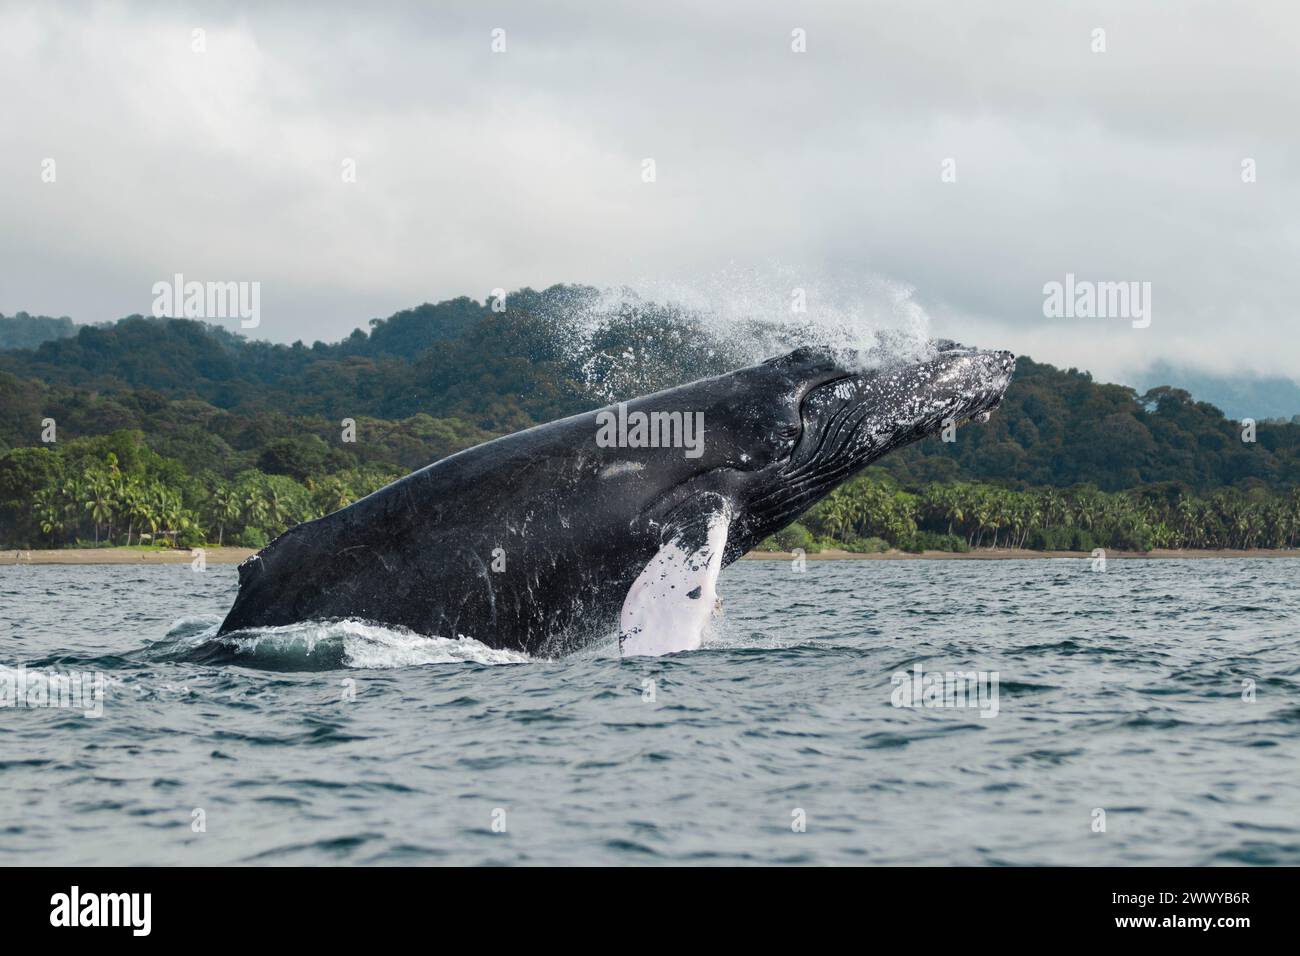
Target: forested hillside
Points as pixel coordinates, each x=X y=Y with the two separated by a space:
x=23 y=331
x=195 y=410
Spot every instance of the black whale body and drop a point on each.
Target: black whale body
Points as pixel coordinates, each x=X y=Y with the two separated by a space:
x=533 y=541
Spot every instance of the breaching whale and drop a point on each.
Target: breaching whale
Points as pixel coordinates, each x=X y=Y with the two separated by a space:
x=620 y=518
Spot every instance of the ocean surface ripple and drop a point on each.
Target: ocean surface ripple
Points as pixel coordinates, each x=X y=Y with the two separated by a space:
x=1127 y=692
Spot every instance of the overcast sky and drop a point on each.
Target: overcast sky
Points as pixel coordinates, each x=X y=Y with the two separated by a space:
x=773 y=169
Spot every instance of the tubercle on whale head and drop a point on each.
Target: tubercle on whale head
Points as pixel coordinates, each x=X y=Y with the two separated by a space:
x=845 y=407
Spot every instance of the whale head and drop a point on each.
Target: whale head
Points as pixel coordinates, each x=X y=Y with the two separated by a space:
x=828 y=414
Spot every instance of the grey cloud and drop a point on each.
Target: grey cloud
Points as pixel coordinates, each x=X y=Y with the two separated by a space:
x=478 y=170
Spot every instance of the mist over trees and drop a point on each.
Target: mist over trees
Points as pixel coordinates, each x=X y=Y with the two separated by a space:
x=179 y=428
x=23 y=331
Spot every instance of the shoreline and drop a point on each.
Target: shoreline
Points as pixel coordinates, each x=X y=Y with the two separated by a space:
x=230 y=555
x=133 y=556
x=1021 y=554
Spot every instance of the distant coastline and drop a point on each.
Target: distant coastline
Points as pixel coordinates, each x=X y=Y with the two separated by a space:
x=1005 y=554
x=134 y=556
x=121 y=556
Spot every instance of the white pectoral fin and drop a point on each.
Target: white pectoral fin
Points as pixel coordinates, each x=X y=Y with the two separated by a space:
x=671 y=601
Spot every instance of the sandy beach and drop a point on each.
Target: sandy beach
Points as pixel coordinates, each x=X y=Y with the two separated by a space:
x=236 y=555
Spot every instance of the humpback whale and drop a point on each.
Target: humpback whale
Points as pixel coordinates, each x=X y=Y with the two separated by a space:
x=614 y=519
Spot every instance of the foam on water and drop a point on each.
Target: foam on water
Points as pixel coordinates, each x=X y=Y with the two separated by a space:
x=325 y=645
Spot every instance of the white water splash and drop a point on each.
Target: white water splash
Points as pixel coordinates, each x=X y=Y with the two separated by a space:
x=347 y=643
x=751 y=314
x=857 y=313
x=372 y=646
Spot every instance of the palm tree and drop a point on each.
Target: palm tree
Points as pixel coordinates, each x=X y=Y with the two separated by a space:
x=70 y=496
x=223 y=506
x=49 y=512
x=127 y=492
x=252 y=505
x=173 y=513
x=149 y=510
x=838 y=511
x=100 y=504
x=276 y=508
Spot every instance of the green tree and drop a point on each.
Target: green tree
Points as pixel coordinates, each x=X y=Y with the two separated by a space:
x=224 y=506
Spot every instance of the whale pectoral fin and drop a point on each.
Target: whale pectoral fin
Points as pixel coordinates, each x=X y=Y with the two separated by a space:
x=671 y=601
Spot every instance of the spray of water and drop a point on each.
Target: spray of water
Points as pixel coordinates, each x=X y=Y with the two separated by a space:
x=626 y=341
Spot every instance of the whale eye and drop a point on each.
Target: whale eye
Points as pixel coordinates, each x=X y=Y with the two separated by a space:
x=788 y=432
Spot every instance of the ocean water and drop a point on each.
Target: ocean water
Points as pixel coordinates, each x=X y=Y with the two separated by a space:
x=1161 y=698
